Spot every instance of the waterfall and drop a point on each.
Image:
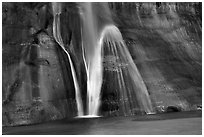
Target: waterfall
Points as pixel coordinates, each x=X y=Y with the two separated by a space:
x=57 y=35
x=93 y=59
x=130 y=83
x=95 y=39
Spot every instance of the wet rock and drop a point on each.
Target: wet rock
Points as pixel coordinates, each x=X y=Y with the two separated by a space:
x=27 y=89
x=164 y=40
x=173 y=109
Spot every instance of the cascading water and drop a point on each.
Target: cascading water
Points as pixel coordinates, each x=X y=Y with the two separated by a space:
x=128 y=78
x=57 y=35
x=161 y=51
x=94 y=41
x=93 y=60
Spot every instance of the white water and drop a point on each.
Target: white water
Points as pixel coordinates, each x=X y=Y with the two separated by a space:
x=129 y=79
x=93 y=59
x=88 y=116
x=57 y=35
x=94 y=41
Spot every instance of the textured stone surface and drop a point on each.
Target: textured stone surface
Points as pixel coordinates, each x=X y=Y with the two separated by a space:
x=165 y=43
x=164 y=40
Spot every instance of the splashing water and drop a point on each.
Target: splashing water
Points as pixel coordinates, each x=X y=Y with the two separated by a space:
x=57 y=35
x=88 y=116
x=129 y=80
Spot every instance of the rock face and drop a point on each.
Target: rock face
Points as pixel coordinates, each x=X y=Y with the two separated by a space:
x=165 y=42
x=34 y=86
x=36 y=89
x=164 y=39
